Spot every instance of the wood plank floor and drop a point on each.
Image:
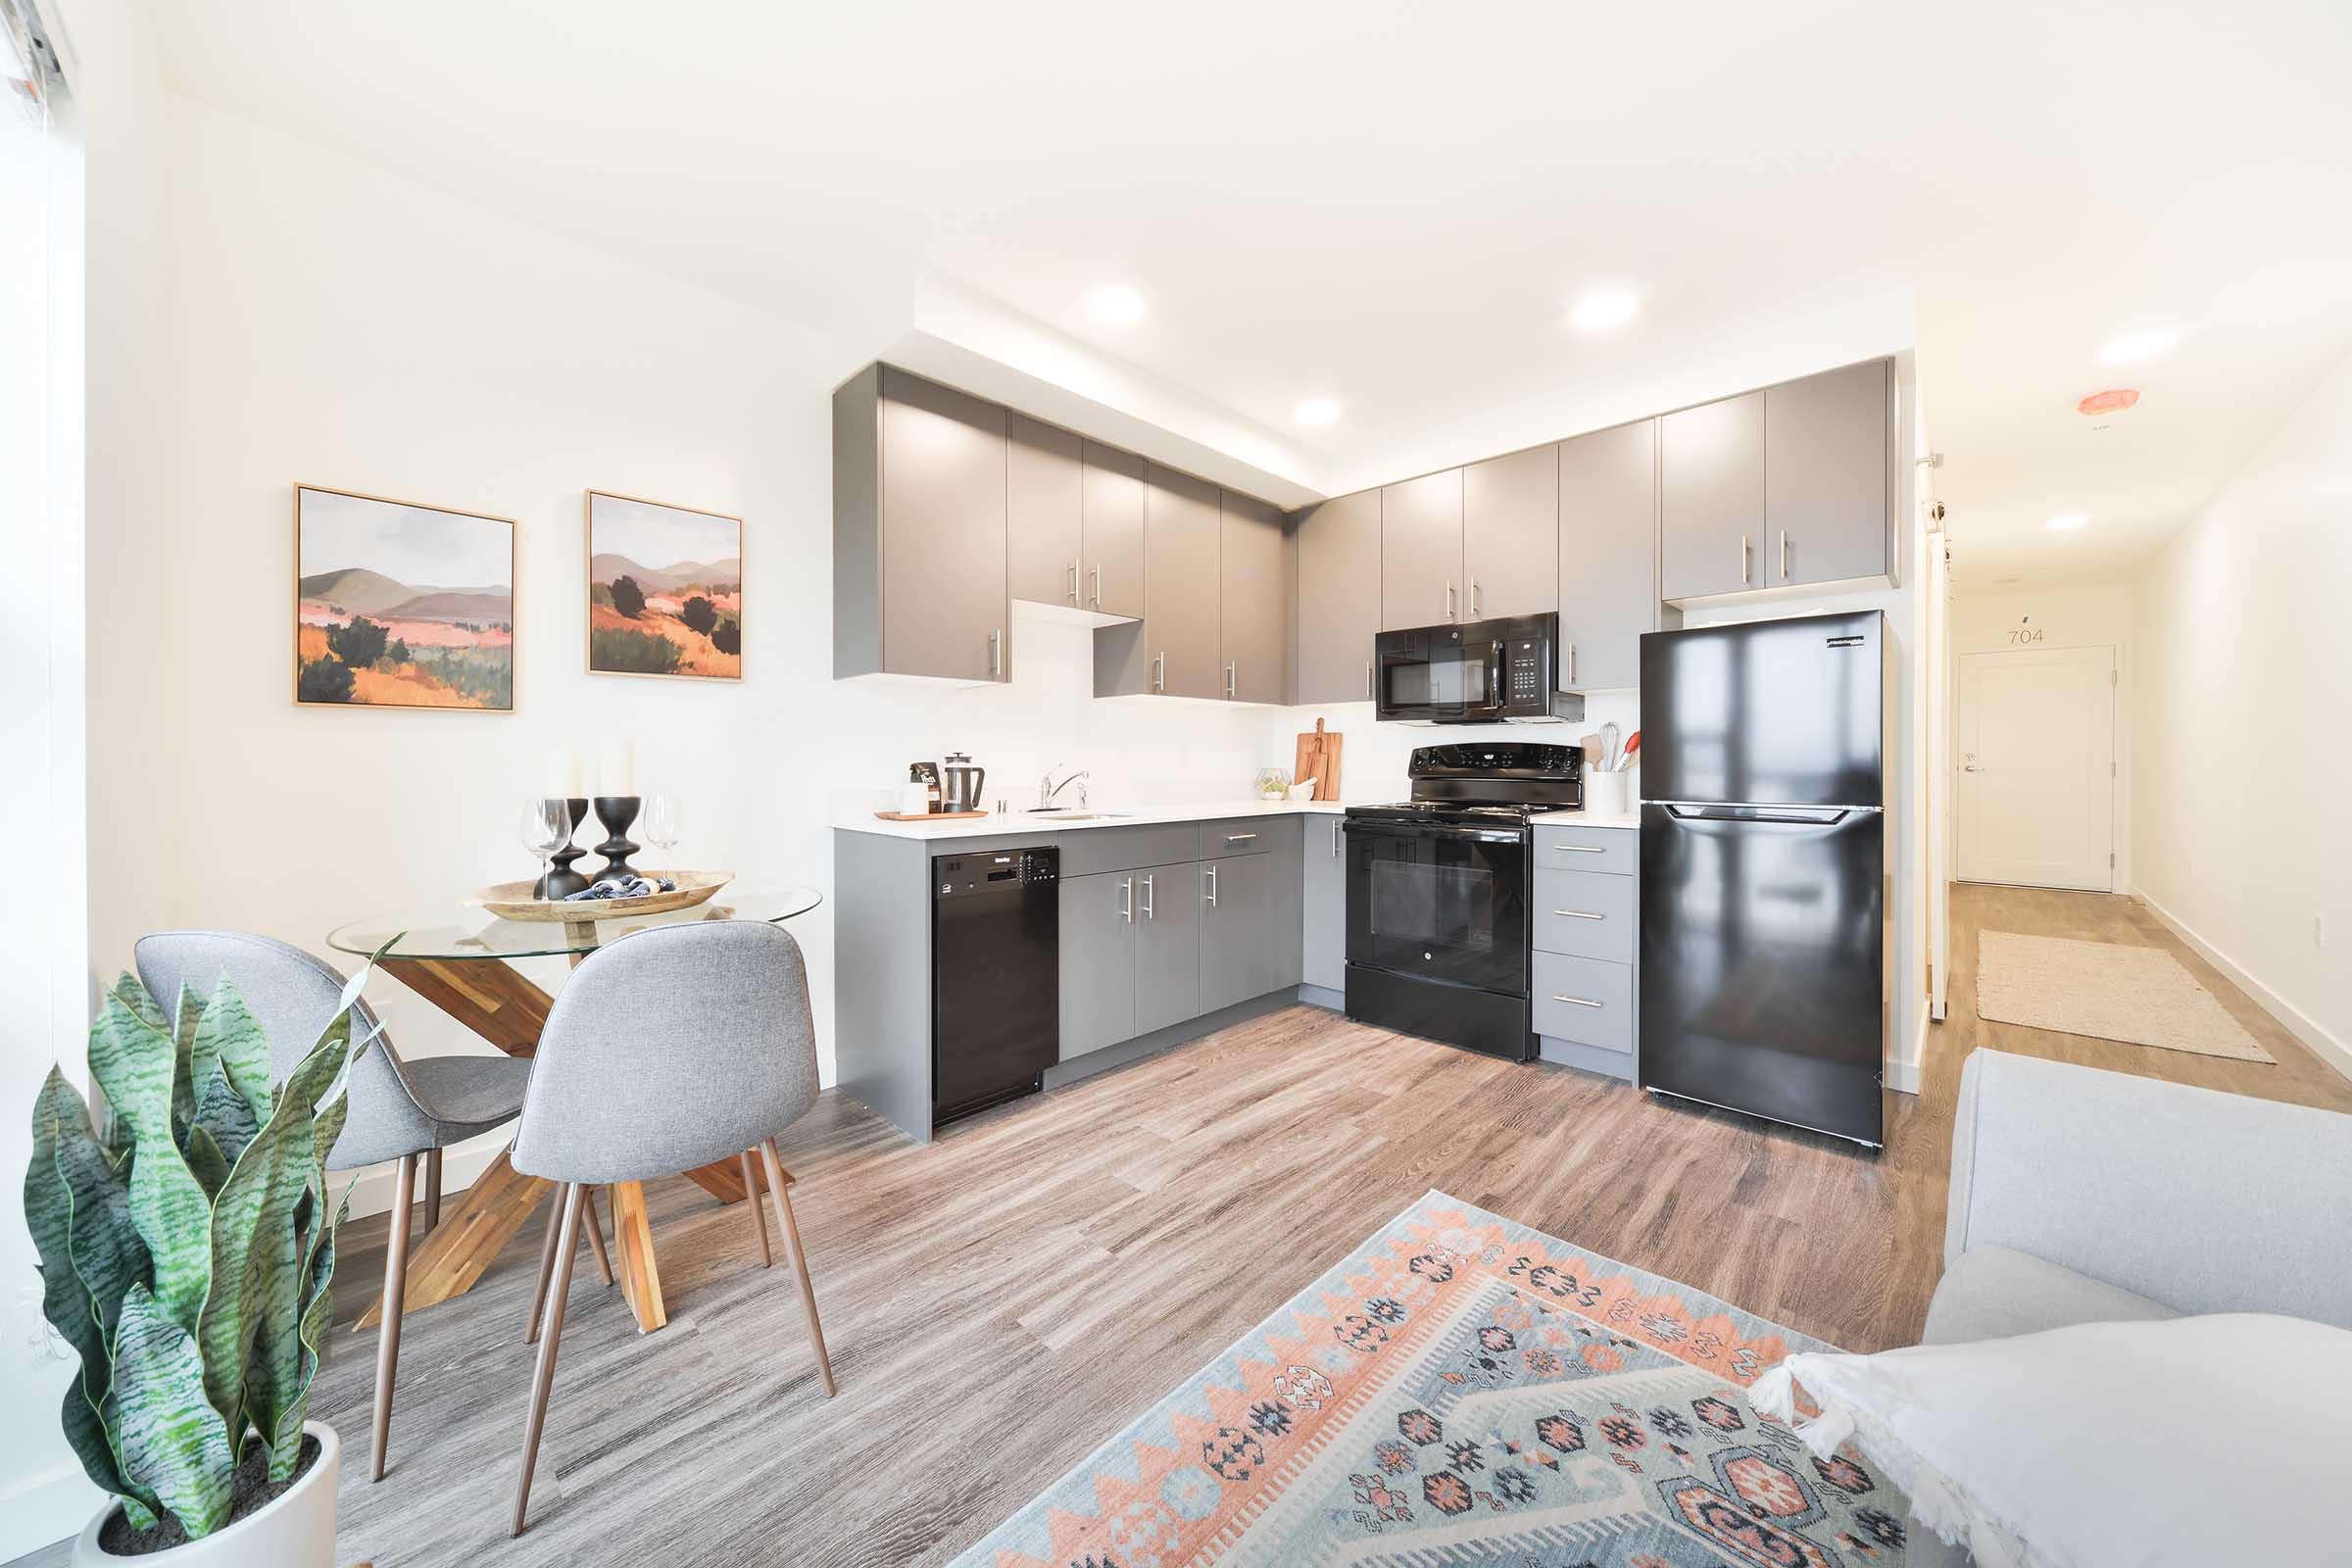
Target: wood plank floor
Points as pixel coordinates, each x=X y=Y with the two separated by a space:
x=999 y=1303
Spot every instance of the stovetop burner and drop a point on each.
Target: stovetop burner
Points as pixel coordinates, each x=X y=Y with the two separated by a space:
x=1506 y=781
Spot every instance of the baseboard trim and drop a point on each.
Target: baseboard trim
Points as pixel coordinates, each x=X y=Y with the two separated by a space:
x=1109 y=1057
x=461 y=1164
x=1904 y=1073
x=47 y=1508
x=2327 y=1047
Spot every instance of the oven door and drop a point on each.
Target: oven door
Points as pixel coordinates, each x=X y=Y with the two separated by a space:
x=1440 y=903
x=1436 y=676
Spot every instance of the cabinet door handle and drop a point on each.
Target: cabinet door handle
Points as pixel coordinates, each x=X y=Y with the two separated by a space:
x=1159 y=673
x=1784 y=554
x=1449 y=599
x=1580 y=849
x=1335 y=837
x=1212 y=886
x=1127 y=900
x=1478 y=596
x=1233 y=668
x=1239 y=838
x=996 y=653
x=1097 y=599
x=1578 y=915
x=1576 y=1001
x=1746 y=556
x=1370 y=695
x=1073 y=582
x=1147 y=914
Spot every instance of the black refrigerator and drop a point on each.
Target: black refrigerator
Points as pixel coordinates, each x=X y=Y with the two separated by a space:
x=1764 y=869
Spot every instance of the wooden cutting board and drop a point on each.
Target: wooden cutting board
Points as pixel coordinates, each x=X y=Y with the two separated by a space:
x=1319 y=759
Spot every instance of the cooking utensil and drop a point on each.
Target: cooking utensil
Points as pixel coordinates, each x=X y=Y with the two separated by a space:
x=961 y=783
x=1318 y=758
x=1608 y=738
x=1633 y=746
x=1596 y=756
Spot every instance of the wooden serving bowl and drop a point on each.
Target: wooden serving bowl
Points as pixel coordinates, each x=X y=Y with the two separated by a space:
x=512 y=901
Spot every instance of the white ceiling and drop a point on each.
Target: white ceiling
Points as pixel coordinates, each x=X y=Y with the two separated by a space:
x=1393 y=205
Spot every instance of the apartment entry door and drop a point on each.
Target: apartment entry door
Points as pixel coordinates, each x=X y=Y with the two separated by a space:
x=2036 y=781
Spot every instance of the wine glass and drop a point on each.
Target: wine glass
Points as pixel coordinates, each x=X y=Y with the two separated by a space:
x=661 y=825
x=546 y=829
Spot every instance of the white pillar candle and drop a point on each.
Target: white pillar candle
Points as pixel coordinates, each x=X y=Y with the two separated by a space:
x=566 y=774
x=616 y=766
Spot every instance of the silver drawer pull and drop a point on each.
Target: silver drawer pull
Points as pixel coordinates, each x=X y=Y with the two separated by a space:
x=1579 y=1002
x=1579 y=914
x=1580 y=849
x=1239 y=838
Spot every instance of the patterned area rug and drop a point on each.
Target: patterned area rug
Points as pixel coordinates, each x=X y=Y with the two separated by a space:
x=1466 y=1391
x=2141 y=996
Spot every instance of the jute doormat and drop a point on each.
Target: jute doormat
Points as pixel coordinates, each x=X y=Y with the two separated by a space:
x=2142 y=995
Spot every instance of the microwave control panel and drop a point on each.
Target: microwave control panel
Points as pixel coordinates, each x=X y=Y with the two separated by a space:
x=1526 y=677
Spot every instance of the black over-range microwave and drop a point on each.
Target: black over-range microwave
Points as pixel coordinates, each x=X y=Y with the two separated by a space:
x=1473 y=672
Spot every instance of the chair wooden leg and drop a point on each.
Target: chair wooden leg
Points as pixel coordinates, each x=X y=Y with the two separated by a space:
x=396 y=1286
x=779 y=1188
x=432 y=1189
x=542 y=1373
x=595 y=1234
x=547 y=1268
x=750 y=1187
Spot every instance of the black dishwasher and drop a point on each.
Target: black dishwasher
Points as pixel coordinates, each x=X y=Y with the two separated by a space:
x=995 y=977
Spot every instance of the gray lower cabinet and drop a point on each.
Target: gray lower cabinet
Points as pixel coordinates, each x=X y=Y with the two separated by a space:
x=1323 y=958
x=1829 y=476
x=1608 y=574
x=1042 y=499
x=1167 y=947
x=1098 y=962
x=1421 y=579
x=1711 y=498
x=1584 y=934
x=1110 y=577
x=1511 y=534
x=1255 y=601
x=1237 y=909
x=920 y=557
x=1339 y=598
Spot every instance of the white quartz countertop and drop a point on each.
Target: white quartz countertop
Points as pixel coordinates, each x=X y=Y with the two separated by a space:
x=993 y=825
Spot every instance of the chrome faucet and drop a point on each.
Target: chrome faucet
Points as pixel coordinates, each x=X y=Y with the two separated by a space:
x=1047 y=789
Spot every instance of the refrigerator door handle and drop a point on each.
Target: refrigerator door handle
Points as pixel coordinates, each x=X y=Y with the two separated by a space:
x=1797 y=815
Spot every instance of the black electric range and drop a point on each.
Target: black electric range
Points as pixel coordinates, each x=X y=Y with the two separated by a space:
x=1439 y=892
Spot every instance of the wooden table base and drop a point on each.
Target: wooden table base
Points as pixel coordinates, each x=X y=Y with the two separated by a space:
x=492 y=998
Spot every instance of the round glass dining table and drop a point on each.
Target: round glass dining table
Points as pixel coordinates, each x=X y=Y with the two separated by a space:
x=459 y=958
x=456 y=931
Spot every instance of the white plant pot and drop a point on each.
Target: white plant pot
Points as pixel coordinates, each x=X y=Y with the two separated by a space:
x=297 y=1530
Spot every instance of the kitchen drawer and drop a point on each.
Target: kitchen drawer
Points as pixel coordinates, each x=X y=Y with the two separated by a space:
x=1588 y=915
x=1616 y=851
x=1085 y=850
x=1603 y=1014
x=1241 y=835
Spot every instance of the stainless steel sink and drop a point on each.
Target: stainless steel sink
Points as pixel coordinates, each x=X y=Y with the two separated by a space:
x=1062 y=814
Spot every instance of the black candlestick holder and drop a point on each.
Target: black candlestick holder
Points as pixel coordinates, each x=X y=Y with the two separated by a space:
x=563 y=881
x=616 y=812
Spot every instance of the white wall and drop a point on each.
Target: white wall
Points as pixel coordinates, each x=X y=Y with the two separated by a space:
x=2066 y=617
x=2241 y=838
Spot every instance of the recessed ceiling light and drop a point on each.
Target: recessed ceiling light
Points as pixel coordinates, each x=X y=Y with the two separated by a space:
x=2139 y=345
x=1318 y=410
x=1598 y=312
x=2066 y=521
x=1114 y=305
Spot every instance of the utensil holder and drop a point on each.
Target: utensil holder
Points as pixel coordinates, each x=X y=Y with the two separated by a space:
x=1606 y=792
x=563 y=881
x=616 y=812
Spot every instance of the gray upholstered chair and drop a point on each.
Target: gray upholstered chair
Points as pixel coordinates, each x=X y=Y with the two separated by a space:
x=671 y=1049
x=407 y=1111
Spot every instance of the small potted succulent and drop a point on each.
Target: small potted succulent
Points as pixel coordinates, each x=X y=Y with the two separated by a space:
x=185 y=1255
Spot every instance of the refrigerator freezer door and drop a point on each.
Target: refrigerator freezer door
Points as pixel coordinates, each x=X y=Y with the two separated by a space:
x=1763 y=962
x=1772 y=712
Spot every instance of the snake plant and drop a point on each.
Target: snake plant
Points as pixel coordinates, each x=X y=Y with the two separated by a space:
x=185 y=1252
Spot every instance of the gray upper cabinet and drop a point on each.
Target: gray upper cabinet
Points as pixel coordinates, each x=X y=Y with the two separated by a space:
x=1255 y=604
x=920 y=583
x=1167 y=947
x=1421 y=577
x=1511 y=534
x=1111 y=577
x=1608 y=576
x=1339 y=598
x=1711 y=498
x=1829 y=476
x=1183 y=523
x=1098 y=962
x=1237 y=911
x=1043 y=505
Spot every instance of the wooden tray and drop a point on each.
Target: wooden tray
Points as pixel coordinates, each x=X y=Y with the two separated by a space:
x=929 y=816
x=512 y=901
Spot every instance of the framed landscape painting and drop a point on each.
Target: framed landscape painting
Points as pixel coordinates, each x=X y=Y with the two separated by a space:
x=401 y=606
x=664 y=590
